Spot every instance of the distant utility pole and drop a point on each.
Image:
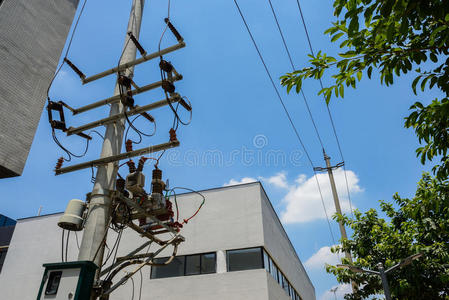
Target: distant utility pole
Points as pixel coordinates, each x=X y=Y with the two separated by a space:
x=95 y=231
x=329 y=169
x=344 y=236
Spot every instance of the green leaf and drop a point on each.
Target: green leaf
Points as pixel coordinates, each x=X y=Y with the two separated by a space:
x=359 y=75
x=348 y=54
x=337 y=36
x=369 y=71
x=433 y=57
x=414 y=83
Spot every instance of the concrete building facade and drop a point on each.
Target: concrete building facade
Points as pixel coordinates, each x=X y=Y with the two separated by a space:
x=235 y=248
x=32 y=36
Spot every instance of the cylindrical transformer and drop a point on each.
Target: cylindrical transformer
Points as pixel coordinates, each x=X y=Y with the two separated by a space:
x=73 y=216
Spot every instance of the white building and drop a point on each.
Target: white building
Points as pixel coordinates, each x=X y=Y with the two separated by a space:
x=235 y=248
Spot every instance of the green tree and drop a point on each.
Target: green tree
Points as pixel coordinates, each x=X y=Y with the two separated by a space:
x=393 y=37
x=419 y=225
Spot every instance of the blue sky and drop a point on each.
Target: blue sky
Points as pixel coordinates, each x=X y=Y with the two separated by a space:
x=238 y=123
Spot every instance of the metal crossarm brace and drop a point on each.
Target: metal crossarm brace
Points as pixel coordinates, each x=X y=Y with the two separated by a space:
x=114 y=118
x=114 y=99
x=106 y=160
x=176 y=240
x=134 y=205
x=105 y=271
x=134 y=62
x=146 y=234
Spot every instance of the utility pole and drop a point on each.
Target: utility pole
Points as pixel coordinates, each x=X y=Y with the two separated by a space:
x=344 y=236
x=96 y=227
x=329 y=169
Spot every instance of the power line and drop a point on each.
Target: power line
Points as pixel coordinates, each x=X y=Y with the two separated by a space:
x=293 y=68
x=327 y=107
x=286 y=112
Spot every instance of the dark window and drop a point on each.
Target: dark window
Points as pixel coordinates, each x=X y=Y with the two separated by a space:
x=2 y=257
x=193 y=264
x=185 y=265
x=244 y=259
x=208 y=263
x=175 y=268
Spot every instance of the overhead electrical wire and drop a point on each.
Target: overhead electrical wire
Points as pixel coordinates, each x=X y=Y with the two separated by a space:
x=55 y=138
x=293 y=69
x=327 y=107
x=285 y=110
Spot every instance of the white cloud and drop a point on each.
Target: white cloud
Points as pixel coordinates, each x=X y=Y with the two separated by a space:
x=241 y=181
x=323 y=256
x=279 y=180
x=340 y=292
x=303 y=202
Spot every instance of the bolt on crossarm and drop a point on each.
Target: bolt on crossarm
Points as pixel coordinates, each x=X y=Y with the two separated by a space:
x=95 y=232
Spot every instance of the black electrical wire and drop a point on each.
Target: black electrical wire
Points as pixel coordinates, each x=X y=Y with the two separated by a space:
x=130 y=124
x=328 y=109
x=62 y=246
x=77 y=242
x=127 y=131
x=67 y=245
x=69 y=154
x=112 y=250
x=116 y=250
x=285 y=109
x=176 y=119
x=132 y=281
x=67 y=50
x=293 y=69
x=141 y=284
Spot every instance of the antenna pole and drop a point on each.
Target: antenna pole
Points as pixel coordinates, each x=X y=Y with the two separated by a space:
x=95 y=231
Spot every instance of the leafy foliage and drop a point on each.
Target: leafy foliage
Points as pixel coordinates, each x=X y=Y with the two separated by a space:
x=392 y=37
x=419 y=225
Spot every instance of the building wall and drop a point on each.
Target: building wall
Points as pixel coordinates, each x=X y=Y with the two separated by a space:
x=231 y=218
x=279 y=247
x=32 y=37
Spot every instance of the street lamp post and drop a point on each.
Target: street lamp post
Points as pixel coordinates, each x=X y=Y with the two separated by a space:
x=334 y=290
x=382 y=272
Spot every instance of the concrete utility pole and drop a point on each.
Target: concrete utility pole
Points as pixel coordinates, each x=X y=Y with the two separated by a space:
x=336 y=199
x=95 y=231
x=329 y=169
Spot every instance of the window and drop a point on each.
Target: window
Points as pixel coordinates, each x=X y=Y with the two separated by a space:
x=2 y=257
x=266 y=261
x=185 y=265
x=208 y=263
x=193 y=264
x=244 y=259
x=175 y=268
x=272 y=269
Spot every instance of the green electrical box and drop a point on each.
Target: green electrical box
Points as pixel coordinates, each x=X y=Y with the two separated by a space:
x=67 y=281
